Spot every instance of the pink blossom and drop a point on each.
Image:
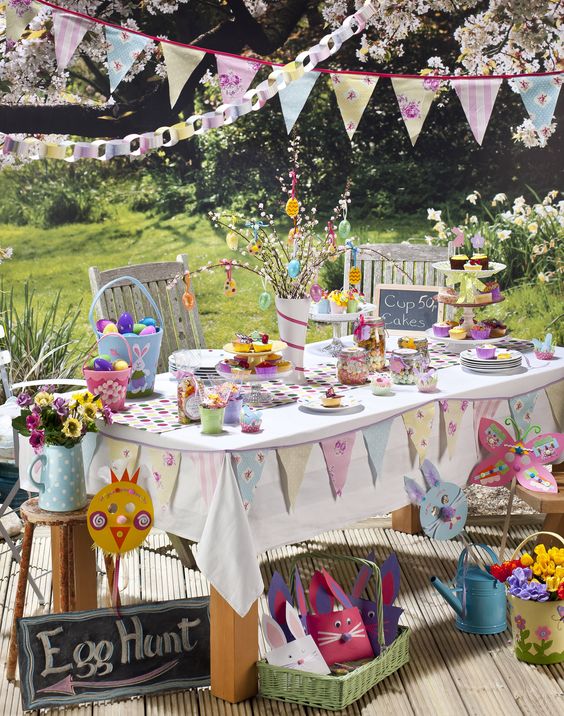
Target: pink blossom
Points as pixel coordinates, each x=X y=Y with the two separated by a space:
x=32 y=421
x=452 y=427
x=431 y=83
x=168 y=459
x=543 y=633
x=37 y=440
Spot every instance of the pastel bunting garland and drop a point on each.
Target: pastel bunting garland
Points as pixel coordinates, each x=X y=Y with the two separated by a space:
x=68 y=33
x=294 y=96
x=337 y=452
x=376 y=440
x=539 y=95
x=477 y=98
x=418 y=424
x=18 y=17
x=164 y=465
x=123 y=49
x=415 y=97
x=452 y=412
x=292 y=463
x=180 y=63
x=248 y=468
x=521 y=408
x=235 y=76
x=353 y=92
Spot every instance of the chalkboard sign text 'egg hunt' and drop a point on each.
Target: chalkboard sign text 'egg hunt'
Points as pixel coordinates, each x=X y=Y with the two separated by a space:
x=412 y=308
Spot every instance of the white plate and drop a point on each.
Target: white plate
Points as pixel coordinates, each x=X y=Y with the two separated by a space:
x=493 y=364
x=493 y=268
x=509 y=371
x=471 y=355
x=457 y=346
x=340 y=317
x=315 y=405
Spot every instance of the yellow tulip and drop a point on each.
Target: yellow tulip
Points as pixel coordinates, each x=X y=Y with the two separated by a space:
x=537 y=569
x=527 y=560
x=552 y=584
x=540 y=549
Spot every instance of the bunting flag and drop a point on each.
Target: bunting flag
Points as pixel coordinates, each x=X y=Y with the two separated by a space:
x=207 y=466
x=337 y=452
x=452 y=412
x=235 y=76
x=122 y=455
x=180 y=63
x=521 y=408
x=418 y=424
x=415 y=97
x=376 y=440
x=123 y=49
x=292 y=462
x=539 y=95
x=164 y=465
x=353 y=93
x=477 y=98
x=68 y=31
x=19 y=14
x=555 y=395
x=248 y=467
x=294 y=96
x=483 y=409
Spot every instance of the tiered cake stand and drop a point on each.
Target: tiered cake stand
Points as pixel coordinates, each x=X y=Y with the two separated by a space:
x=337 y=320
x=468 y=309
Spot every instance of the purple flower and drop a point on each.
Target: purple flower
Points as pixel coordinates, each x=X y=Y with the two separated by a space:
x=32 y=421
x=49 y=388
x=519 y=586
x=61 y=407
x=107 y=415
x=520 y=622
x=24 y=399
x=411 y=110
x=37 y=439
x=431 y=83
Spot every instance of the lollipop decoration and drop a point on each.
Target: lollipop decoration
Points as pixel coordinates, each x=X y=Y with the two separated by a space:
x=188 y=299
x=444 y=508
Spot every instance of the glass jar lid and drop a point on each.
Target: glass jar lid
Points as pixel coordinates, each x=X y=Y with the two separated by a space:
x=372 y=320
x=405 y=352
x=354 y=352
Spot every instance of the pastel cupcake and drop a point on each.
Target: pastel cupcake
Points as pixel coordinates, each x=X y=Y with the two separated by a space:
x=485 y=351
x=381 y=384
x=457 y=333
x=480 y=331
x=482 y=259
x=331 y=399
x=457 y=261
x=441 y=329
x=472 y=266
x=265 y=369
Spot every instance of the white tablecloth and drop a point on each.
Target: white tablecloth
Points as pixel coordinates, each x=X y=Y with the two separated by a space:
x=230 y=536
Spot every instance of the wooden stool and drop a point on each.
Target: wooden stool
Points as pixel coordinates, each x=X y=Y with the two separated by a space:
x=551 y=505
x=63 y=523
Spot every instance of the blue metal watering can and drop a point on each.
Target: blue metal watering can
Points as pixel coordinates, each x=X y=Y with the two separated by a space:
x=477 y=598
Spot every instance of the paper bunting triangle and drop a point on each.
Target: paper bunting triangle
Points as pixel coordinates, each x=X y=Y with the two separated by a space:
x=539 y=95
x=353 y=93
x=555 y=395
x=452 y=412
x=206 y=467
x=477 y=98
x=248 y=468
x=415 y=97
x=521 y=408
x=292 y=462
x=123 y=49
x=376 y=440
x=123 y=455
x=68 y=31
x=294 y=96
x=180 y=63
x=337 y=452
x=418 y=424
x=235 y=76
x=164 y=465
x=18 y=17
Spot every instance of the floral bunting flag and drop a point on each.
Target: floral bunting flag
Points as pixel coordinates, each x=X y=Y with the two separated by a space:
x=376 y=440
x=123 y=455
x=353 y=93
x=123 y=49
x=555 y=395
x=415 y=97
x=477 y=98
x=68 y=31
x=180 y=63
x=294 y=96
x=164 y=466
x=337 y=452
x=292 y=462
x=19 y=13
x=418 y=424
x=207 y=466
x=452 y=412
x=521 y=408
x=539 y=95
x=248 y=467
x=235 y=76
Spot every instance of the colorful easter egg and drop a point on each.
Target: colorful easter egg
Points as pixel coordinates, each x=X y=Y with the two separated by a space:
x=148 y=330
x=102 y=323
x=292 y=207
x=148 y=321
x=138 y=327
x=316 y=292
x=232 y=240
x=110 y=328
x=90 y=364
x=264 y=300
x=354 y=275
x=105 y=356
x=131 y=335
x=101 y=364
x=344 y=229
x=120 y=365
x=294 y=268
x=125 y=323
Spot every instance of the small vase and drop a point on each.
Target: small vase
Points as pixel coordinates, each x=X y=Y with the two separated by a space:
x=324 y=306
x=293 y=316
x=233 y=411
x=336 y=309
x=352 y=306
x=61 y=486
x=212 y=420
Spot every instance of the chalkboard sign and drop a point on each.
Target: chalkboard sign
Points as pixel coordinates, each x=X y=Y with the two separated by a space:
x=104 y=654
x=407 y=308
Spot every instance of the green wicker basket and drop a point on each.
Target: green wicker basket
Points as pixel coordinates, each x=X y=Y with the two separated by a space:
x=335 y=692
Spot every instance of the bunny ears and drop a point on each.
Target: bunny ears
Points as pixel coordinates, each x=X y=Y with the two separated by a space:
x=432 y=479
x=273 y=632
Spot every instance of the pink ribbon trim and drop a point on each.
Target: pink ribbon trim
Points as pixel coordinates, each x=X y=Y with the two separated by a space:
x=293 y=345
x=292 y=320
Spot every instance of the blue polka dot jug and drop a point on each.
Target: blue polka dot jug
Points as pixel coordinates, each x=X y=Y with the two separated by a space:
x=61 y=484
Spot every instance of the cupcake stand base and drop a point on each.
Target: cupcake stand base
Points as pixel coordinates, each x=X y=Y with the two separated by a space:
x=338 y=321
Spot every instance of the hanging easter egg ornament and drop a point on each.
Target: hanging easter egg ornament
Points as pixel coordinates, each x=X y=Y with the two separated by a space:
x=292 y=207
x=188 y=300
x=344 y=229
x=354 y=272
x=294 y=268
x=316 y=292
x=264 y=301
x=229 y=287
x=332 y=241
x=232 y=240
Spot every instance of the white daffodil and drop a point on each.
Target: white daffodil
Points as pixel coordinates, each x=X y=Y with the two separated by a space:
x=433 y=215
x=533 y=227
x=473 y=197
x=503 y=234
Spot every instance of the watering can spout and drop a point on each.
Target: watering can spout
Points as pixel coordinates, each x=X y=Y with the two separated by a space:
x=448 y=595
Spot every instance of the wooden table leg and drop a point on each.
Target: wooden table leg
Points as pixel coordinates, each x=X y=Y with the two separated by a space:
x=85 y=596
x=20 y=600
x=553 y=523
x=234 y=650
x=406 y=519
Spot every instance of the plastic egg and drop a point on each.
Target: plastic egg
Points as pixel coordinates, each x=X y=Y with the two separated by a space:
x=130 y=335
x=110 y=328
x=148 y=330
x=105 y=356
x=125 y=323
x=294 y=268
x=264 y=300
x=316 y=292
x=101 y=364
x=344 y=229
x=148 y=321
x=138 y=327
x=120 y=365
x=232 y=240
x=90 y=364
x=102 y=323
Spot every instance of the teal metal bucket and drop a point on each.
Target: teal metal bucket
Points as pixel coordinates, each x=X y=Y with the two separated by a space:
x=145 y=350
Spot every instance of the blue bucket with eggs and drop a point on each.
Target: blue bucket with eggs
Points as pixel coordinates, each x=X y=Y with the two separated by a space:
x=144 y=338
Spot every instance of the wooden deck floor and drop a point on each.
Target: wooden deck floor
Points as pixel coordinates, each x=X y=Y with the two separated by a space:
x=449 y=672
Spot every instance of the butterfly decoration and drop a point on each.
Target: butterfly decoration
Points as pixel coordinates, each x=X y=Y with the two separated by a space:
x=516 y=457
x=560 y=617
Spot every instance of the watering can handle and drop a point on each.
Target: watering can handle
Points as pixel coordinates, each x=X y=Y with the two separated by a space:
x=535 y=534
x=466 y=553
x=40 y=486
x=135 y=282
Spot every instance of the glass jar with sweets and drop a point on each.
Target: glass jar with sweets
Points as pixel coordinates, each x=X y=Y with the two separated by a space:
x=403 y=365
x=421 y=345
x=352 y=366
x=370 y=333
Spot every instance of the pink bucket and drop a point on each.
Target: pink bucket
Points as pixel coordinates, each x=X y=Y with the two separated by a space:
x=109 y=385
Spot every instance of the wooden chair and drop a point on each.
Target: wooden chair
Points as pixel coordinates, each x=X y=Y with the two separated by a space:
x=182 y=329
x=552 y=506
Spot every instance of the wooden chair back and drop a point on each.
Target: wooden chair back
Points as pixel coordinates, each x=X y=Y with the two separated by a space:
x=181 y=329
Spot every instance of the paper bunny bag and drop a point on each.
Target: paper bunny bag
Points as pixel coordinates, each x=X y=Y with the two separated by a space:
x=301 y=653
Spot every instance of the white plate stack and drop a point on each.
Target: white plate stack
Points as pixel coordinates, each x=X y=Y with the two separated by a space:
x=507 y=364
